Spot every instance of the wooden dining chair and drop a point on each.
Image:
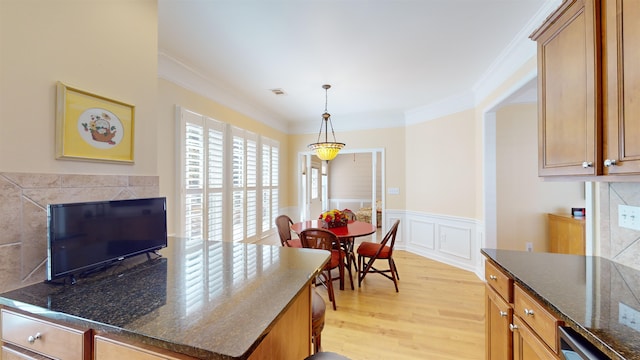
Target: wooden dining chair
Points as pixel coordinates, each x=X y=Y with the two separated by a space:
x=283 y=223
x=370 y=252
x=348 y=244
x=316 y=238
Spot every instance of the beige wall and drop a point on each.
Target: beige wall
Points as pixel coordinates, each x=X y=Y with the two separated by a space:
x=440 y=170
x=523 y=199
x=104 y=47
x=171 y=95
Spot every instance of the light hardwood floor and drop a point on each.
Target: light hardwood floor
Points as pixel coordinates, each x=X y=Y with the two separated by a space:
x=438 y=314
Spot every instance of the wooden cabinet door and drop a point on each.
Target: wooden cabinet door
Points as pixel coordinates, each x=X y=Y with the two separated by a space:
x=569 y=90
x=527 y=346
x=566 y=234
x=498 y=335
x=622 y=51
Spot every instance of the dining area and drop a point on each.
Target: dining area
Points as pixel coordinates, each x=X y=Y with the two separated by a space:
x=337 y=231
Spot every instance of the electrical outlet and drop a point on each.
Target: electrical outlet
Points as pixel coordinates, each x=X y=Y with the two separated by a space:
x=629 y=217
x=629 y=316
x=529 y=246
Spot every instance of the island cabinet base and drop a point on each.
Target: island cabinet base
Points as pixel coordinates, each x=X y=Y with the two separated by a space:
x=290 y=338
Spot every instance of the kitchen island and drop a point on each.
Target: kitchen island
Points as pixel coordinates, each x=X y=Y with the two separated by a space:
x=596 y=297
x=211 y=300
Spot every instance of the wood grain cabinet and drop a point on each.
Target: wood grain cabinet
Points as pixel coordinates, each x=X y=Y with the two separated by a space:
x=566 y=234
x=588 y=83
x=569 y=83
x=27 y=334
x=535 y=330
x=498 y=313
x=621 y=54
x=109 y=348
x=517 y=326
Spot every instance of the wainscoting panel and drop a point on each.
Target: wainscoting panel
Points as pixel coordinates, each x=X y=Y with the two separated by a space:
x=455 y=241
x=422 y=234
x=451 y=240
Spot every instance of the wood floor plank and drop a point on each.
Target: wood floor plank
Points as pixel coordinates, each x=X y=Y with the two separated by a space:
x=438 y=314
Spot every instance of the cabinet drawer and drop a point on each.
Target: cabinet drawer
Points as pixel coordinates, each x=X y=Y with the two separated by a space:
x=499 y=281
x=527 y=346
x=10 y=352
x=54 y=340
x=107 y=348
x=534 y=314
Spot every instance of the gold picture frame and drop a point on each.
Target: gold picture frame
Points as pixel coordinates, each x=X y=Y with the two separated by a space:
x=93 y=127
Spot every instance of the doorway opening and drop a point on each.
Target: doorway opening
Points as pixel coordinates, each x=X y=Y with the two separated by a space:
x=354 y=180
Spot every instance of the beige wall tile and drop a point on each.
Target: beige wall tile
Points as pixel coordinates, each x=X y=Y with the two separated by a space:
x=9 y=212
x=27 y=181
x=9 y=267
x=93 y=181
x=34 y=237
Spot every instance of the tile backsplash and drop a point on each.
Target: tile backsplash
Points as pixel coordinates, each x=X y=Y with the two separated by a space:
x=619 y=244
x=23 y=215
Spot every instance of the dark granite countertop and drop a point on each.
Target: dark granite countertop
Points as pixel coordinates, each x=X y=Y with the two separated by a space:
x=595 y=296
x=214 y=300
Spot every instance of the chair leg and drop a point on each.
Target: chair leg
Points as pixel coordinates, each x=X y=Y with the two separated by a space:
x=317 y=347
x=395 y=268
x=332 y=296
x=392 y=268
x=350 y=274
x=360 y=268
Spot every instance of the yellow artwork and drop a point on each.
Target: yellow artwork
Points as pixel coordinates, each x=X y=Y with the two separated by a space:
x=92 y=127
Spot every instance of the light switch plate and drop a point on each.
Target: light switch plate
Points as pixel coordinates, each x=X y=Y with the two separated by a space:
x=629 y=217
x=393 y=191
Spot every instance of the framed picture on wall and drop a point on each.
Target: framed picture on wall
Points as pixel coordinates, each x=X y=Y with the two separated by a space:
x=92 y=127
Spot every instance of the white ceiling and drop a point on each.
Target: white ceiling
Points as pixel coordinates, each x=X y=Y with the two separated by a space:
x=383 y=58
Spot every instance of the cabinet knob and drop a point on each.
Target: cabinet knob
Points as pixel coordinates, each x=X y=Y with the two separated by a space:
x=610 y=162
x=528 y=312
x=513 y=327
x=493 y=277
x=503 y=314
x=587 y=164
x=31 y=339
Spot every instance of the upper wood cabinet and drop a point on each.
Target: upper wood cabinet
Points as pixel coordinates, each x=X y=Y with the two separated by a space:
x=622 y=97
x=588 y=89
x=569 y=83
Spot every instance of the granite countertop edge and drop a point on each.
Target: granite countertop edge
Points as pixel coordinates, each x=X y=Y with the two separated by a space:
x=568 y=321
x=97 y=327
x=126 y=335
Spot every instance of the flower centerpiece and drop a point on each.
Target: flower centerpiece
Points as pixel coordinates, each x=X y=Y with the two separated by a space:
x=333 y=219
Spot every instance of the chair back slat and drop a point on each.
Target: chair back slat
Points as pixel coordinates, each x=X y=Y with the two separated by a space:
x=283 y=223
x=391 y=235
x=317 y=238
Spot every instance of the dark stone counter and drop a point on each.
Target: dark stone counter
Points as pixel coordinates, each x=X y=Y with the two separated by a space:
x=214 y=300
x=596 y=297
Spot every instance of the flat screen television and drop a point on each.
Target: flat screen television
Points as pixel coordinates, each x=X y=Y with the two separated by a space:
x=86 y=236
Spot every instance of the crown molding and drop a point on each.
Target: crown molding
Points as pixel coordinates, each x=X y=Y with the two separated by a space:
x=520 y=50
x=179 y=73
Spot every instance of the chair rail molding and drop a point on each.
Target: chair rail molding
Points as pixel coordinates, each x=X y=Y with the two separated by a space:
x=455 y=241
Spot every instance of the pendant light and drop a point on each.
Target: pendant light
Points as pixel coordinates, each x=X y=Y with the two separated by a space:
x=326 y=150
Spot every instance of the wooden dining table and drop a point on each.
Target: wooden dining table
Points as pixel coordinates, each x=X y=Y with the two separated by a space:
x=353 y=229
x=347 y=234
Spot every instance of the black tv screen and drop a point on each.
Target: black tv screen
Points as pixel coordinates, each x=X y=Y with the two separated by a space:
x=86 y=236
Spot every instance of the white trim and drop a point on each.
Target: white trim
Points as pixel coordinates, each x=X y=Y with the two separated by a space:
x=451 y=240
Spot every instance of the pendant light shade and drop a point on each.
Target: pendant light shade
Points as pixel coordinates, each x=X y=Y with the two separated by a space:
x=327 y=150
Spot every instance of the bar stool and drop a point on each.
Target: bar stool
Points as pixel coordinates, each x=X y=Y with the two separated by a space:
x=318 y=308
